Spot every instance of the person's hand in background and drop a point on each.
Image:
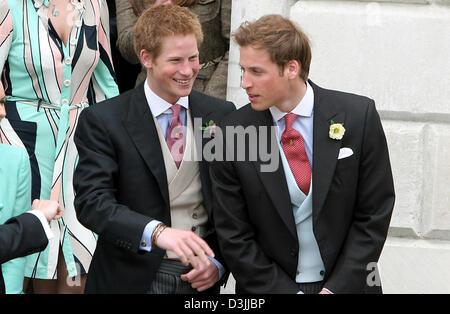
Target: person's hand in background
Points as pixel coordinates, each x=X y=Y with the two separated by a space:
x=50 y=209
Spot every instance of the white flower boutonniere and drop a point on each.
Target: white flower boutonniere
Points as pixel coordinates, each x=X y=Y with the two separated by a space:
x=337 y=130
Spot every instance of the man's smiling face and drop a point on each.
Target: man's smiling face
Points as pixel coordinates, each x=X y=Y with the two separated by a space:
x=172 y=73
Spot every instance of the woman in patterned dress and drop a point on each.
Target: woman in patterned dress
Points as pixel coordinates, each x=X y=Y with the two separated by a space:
x=55 y=58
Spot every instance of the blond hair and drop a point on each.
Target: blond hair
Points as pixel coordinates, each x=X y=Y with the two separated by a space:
x=162 y=21
x=282 y=38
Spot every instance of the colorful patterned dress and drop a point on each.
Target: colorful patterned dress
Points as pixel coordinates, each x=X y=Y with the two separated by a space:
x=47 y=84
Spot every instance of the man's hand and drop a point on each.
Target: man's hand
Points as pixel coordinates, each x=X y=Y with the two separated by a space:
x=190 y=248
x=50 y=209
x=203 y=277
x=324 y=292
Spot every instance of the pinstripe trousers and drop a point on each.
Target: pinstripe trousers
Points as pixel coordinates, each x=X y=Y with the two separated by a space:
x=168 y=280
x=310 y=287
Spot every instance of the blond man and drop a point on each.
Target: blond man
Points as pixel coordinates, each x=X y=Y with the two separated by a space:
x=137 y=187
x=318 y=222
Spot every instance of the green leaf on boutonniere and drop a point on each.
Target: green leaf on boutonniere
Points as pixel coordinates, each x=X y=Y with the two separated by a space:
x=208 y=125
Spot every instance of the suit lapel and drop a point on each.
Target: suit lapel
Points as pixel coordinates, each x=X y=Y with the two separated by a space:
x=142 y=130
x=325 y=149
x=200 y=110
x=275 y=181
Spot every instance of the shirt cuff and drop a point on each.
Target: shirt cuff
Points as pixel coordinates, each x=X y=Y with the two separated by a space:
x=44 y=222
x=219 y=266
x=327 y=290
x=146 y=240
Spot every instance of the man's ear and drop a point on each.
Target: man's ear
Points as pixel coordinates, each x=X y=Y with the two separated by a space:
x=293 y=69
x=146 y=59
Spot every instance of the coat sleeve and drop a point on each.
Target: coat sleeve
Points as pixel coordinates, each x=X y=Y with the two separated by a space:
x=95 y=201
x=126 y=19
x=20 y=236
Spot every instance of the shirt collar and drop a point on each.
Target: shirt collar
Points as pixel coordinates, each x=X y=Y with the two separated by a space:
x=158 y=105
x=304 y=108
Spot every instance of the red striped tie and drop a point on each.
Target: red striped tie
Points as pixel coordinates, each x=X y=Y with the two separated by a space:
x=294 y=149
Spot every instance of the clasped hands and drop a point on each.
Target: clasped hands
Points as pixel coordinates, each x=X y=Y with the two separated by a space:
x=193 y=250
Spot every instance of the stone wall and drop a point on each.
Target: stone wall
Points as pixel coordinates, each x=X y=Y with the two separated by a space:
x=398 y=53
